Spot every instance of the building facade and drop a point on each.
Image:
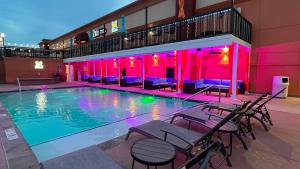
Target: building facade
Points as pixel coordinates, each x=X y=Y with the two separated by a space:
x=273 y=44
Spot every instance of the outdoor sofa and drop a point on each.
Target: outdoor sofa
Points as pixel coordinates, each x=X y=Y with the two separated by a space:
x=110 y=80
x=194 y=86
x=94 y=79
x=155 y=82
x=127 y=81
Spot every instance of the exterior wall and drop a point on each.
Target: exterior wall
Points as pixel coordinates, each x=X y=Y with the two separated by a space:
x=275 y=45
x=127 y=10
x=162 y=10
x=24 y=68
x=205 y=3
x=135 y=19
x=2 y=71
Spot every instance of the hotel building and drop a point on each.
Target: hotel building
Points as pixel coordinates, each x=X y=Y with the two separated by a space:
x=241 y=42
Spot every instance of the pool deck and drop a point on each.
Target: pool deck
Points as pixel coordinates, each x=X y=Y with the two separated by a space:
x=15 y=153
x=278 y=148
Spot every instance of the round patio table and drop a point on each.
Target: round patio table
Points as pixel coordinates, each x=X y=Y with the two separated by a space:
x=153 y=152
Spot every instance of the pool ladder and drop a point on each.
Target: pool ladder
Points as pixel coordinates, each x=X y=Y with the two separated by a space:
x=19 y=84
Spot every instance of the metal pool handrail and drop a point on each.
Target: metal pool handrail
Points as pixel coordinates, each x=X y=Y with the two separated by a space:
x=19 y=84
x=201 y=91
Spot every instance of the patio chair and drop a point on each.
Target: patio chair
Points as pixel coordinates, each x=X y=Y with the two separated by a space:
x=232 y=127
x=258 y=112
x=261 y=113
x=203 y=159
x=184 y=140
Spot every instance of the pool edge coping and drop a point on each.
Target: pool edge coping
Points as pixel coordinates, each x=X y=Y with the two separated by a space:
x=18 y=154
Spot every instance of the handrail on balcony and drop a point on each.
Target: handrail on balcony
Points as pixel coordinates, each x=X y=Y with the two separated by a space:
x=220 y=22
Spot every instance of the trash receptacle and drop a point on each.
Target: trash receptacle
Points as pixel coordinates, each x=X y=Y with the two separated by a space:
x=280 y=82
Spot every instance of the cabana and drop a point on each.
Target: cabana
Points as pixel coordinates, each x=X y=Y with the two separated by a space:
x=131 y=71
x=219 y=62
x=160 y=71
x=216 y=67
x=110 y=71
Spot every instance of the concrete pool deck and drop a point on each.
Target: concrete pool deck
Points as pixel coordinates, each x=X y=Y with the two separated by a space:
x=284 y=135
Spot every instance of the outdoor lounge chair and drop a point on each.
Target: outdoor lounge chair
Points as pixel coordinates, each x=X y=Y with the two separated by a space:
x=183 y=139
x=203 y=159
x=258 y=112
x=232 y=127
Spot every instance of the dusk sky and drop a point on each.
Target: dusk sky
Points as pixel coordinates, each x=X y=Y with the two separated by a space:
x=29 y=21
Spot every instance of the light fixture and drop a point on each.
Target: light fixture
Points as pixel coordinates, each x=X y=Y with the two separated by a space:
x=225 y=58
x=225 y=49
x=115 y=63
x=38 y=65
x=155 y=59
x=131 y=61
x=151 y=33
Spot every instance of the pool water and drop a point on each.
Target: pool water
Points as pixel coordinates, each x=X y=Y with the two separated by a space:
x=44 y=116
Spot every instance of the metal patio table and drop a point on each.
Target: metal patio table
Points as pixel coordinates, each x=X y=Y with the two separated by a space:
x=153 y=152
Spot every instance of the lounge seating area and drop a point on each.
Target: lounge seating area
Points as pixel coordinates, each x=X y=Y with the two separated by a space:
x=194 y=86
x=152 y=83
x=127 y=81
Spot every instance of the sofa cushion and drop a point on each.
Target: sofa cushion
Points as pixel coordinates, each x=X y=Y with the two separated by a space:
x=132 y=79
x=96 y=78
x=212 y=81
x=111 y=78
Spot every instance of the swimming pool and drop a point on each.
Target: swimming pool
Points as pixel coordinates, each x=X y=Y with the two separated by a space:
x=44 y=116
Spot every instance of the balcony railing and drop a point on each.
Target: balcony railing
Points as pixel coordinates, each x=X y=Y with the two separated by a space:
x=16 y=51
x=221 y=22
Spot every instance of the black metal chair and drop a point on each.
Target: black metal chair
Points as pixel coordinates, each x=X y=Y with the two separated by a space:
x=232 y=127
x=203 y=159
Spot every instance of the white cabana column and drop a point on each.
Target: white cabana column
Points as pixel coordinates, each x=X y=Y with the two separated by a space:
x=70 y=73
x=119 y=70
x=101 y=73
x=94 y=68
x=235 y=60
x=179 y=63
x=143 y=70
x=106 y=70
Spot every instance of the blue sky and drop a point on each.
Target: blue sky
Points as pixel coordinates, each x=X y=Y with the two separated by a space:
x=29 y=21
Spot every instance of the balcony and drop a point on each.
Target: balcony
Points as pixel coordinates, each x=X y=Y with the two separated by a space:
x=221 y=22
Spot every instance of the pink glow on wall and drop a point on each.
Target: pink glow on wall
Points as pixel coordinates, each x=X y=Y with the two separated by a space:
x=156 y=64
x=111 y=69
x=225 y=58
x=207 y=63
x=132 y=65
x=212 y=65
x=243 y=65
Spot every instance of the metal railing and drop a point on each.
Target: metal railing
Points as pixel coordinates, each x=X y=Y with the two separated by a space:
x=221 y=22
x=201 y=91
x=15 y=51
x=19 y=84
